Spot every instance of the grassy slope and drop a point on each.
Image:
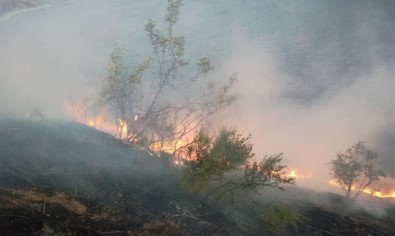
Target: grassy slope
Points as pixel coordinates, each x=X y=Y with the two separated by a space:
x=66 y=177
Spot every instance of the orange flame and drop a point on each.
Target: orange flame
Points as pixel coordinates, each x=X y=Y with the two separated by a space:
x=294 y=175
x=98 y=122
x=168 y=147
x=90 y=123
x=372 y=192
x=124 y=128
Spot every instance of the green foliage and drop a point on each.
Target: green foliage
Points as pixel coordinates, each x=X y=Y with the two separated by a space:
x=223 y=164
x=227 y=151
x=356 y=169
x=278 y=218
x=270 y=172
x=212 y=157
x=231 y=149
x=121 y=90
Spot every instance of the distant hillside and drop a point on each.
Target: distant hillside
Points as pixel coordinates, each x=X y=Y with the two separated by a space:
x=64 y=178
x=13 y=5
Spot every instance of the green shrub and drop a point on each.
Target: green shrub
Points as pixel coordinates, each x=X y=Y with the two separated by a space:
x=224 y=163
x=278 y=219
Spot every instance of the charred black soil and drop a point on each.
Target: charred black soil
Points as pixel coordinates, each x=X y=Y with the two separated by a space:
x=65 y=178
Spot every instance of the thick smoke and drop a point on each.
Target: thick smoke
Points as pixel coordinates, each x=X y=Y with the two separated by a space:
x=314 y=76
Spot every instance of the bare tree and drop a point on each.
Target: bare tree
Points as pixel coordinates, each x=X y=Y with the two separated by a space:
x=37 y=114
x=81 y=108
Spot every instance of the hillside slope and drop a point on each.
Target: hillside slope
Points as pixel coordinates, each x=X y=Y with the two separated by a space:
x=70 y=179
x=13 y=5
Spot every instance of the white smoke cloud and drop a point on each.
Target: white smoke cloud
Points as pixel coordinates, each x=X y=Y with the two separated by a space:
x=308 y=92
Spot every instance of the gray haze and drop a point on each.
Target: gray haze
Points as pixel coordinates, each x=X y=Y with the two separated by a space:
x=314 y=76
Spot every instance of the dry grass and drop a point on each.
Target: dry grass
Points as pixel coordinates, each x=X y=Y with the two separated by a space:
x=156 y=227
x=40 y=201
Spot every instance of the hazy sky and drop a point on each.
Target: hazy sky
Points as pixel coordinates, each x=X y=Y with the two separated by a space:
x=315 y=76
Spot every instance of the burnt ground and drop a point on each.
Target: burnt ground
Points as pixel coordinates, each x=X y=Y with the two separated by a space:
x=63 y=178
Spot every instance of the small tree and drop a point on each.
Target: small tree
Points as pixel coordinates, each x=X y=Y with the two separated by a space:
x=224 y=164
x=178 y=94
x=121 y=90
x=356 y=169
x=37 y=114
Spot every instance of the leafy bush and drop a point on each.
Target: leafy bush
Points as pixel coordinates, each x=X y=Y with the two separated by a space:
x=224 y=163
x=278 y=218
